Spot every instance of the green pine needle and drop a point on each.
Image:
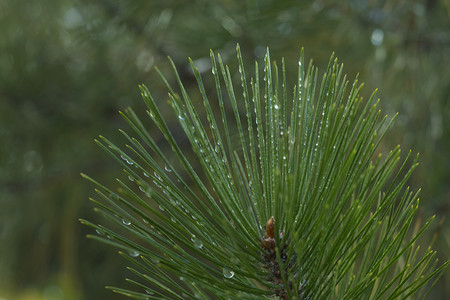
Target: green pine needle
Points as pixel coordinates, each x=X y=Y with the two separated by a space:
x=342 y=225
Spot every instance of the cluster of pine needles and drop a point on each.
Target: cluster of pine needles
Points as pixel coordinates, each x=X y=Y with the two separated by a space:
x=301 y=205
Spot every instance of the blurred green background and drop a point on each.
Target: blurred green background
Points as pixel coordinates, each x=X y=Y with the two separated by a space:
x=68 y=66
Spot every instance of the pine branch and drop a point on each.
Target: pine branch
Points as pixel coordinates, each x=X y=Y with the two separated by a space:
x=299 y=206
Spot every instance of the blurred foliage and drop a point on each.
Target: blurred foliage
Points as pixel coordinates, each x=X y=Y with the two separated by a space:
x=68 y=66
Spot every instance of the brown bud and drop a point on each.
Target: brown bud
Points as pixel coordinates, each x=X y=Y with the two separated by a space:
x=269 y=243
x=270 y=228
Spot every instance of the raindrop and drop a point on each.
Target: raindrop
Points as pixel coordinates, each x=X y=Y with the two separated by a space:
x=33 y=161
x=155 y=260
x=126 y=222
x=197 y=242
x=276 y=107
x=128 y=161
x=98 y=232
x=167 y=169
x=157 y=184
x=377 y=37
x=227 y=273
x=150 y=292
x=145 y=221
x=181 y=118
x=161 y=208
x=146 y=174
x=133 y=253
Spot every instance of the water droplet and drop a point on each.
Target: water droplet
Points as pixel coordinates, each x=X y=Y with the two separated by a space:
x=276 y=107
x=150 y=292
x=127 y=160
x=157 y=184
x=167 y=169
x=161 y=208
x=133 y=253
x=197 y=242
x=181 y=118
x=155 y=260
x=126 y=222
x=145 y=221
x=227 y=273
x=377 y=37
x=146 y=174
x=33 y=161
x=98 y=232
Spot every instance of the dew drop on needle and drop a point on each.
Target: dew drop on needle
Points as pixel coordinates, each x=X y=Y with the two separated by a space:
x=227 y=273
